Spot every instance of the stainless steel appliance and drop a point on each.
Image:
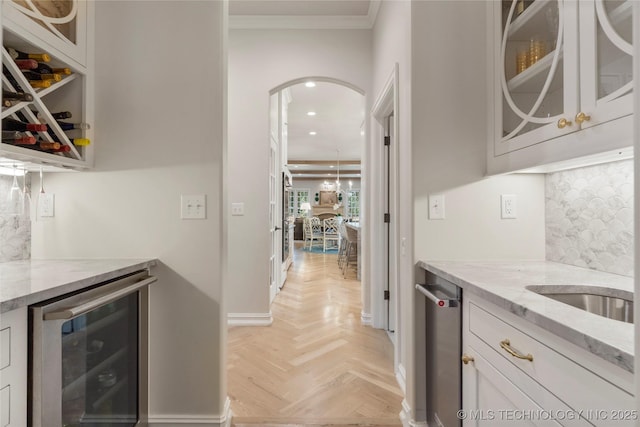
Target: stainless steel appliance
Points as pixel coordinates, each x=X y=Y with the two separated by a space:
x=443 y=315
x=87 y=358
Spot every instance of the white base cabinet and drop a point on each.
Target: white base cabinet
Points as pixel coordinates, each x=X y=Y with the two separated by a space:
x=13 y=368
x=523 y=375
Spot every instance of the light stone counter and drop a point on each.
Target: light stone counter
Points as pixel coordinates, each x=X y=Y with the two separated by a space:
x=504 y=284
x=30 y=281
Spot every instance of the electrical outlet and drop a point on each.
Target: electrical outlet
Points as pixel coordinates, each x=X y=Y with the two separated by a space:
x=193 y=206
x=46 y=204
x=509 y=206
x=436 y=206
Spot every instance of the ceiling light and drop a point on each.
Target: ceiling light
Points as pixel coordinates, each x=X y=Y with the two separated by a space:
x=331 y=166
x=310 y=84
x=313 y=132
x=362 y=132
x=311 y=113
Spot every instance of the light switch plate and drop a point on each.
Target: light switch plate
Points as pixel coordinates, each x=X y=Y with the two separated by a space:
x=237 y=209
x=46 y=204
x=436 y=206
x=193 y=206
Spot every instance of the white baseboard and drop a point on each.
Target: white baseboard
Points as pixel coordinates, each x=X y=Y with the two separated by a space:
x=169 y=420
x=401 y=377
x=366 y=318
x=249 y=319
x=405 y=417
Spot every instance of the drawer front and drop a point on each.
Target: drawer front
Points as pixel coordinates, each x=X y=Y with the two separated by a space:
x=5 y=348
x=577 y=386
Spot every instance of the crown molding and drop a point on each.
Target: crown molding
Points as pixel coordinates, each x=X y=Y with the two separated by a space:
x=283 y=22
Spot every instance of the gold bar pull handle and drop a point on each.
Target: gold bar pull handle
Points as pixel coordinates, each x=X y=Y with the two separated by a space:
x=466 y=359
x=506 y=345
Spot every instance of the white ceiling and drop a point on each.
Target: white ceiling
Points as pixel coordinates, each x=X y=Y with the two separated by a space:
x=338 y=122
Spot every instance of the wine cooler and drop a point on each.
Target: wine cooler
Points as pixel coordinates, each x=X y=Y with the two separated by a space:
x=85 y=356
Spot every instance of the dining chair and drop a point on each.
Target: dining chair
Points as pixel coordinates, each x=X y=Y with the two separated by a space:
x=330 y=232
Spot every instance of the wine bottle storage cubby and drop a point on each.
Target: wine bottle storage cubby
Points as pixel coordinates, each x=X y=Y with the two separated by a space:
x=67 y=93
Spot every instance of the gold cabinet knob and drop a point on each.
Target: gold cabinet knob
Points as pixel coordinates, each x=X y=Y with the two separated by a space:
x=563 y=123
x=582 y=117
x=466 y=359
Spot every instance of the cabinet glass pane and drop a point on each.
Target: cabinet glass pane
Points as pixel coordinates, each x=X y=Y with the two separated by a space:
x=614 y=36
x=533 y=93
x=56 y=16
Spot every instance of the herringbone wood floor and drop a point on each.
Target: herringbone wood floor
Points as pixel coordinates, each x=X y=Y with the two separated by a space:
x=316 y=364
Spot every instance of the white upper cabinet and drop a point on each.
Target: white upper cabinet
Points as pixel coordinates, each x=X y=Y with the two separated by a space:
x=560 y=67
x=59 y=24
x=63 y=30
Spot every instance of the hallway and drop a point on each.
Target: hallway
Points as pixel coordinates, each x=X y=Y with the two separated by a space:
x=316 y=364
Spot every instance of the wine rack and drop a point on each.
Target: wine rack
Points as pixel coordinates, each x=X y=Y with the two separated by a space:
x=21 y=30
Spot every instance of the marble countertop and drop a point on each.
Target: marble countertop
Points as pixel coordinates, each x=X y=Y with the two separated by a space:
x=30 y=281
x=505 y=283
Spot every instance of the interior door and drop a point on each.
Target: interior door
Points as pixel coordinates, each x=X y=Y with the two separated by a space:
x=389 y=233
x=274 y=217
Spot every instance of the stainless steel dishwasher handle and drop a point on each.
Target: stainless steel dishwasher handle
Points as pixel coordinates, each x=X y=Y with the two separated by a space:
x=440 y=302
x=71 y=312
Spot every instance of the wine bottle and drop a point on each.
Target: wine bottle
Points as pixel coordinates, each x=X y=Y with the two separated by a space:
x=47 y=69
x=80 y=142
x=26 y=64
x=64 y=71
x=32 y=75
x=16 y=54
x=17 y=138
x=46 y=145
x=71 y=126
x=11 y=79
x=16 y=125
x=58 y=116
x=40 y=84
x=9 y=96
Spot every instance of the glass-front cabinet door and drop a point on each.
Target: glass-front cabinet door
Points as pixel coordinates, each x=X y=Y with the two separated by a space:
x=563 y=66
x=60 y=23
x=537 y=73
x=606 y=70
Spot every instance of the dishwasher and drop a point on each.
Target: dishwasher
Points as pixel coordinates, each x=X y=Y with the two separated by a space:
x=443 y=321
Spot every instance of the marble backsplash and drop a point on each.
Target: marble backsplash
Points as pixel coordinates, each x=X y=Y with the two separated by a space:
x=589 y=217
x=15 y=224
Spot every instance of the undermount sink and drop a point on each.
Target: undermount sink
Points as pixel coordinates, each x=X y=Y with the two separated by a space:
x=607 y=302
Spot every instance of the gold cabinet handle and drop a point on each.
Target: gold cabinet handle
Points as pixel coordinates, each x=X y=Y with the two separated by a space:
x=506 y=344
x=466 y=359
x=563 y=123
x=582 y=117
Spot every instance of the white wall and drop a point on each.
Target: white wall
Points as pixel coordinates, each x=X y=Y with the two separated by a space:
x=259 y=61
x=442 y=149
x=159 y=133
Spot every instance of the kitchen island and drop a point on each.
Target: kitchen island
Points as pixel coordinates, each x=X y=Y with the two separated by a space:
x=356 y=226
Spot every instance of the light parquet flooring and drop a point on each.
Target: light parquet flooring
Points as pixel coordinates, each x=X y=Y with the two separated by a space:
x=316 y=365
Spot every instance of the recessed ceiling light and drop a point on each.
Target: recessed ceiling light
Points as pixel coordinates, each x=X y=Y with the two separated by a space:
x=311 y=113
x=331 y=166
x=313 y=132
x=296 y=166
x=310 y=84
